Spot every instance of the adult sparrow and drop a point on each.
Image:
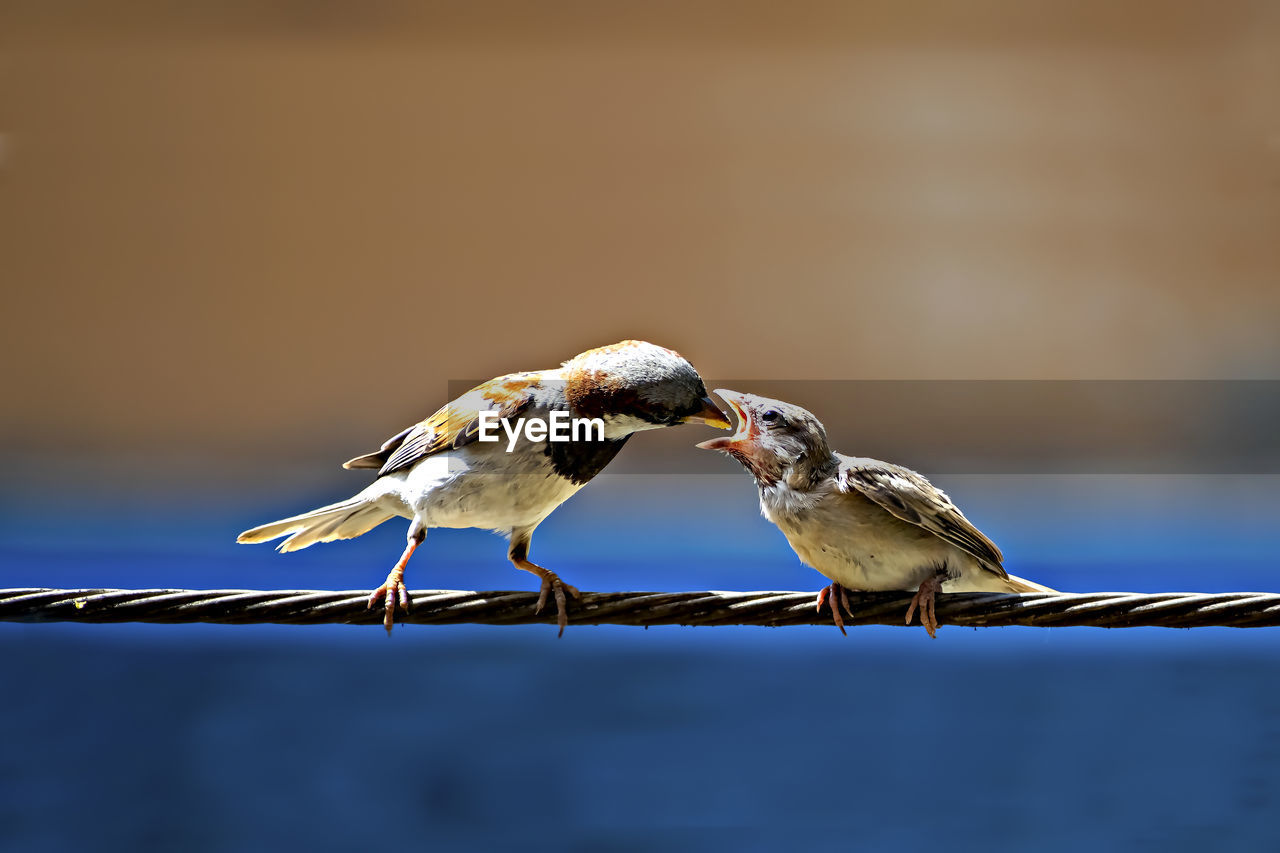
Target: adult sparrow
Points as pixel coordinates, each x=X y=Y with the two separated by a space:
x=865 y=524
x=465 y=466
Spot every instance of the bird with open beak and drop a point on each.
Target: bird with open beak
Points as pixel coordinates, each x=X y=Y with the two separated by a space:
x=865 y=524
x=447 y=472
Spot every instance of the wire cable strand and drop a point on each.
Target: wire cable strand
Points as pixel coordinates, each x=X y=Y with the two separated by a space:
x=451 y=607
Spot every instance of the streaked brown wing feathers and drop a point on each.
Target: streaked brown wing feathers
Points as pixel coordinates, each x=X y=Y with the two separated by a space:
x=379 y=457
x=454 y=425
x=910 y=497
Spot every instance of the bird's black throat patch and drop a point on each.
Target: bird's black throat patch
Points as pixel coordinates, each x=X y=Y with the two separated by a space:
x=579 y=461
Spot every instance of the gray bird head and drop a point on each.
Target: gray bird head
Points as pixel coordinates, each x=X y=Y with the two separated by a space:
x=636 y=385
x=775 y=441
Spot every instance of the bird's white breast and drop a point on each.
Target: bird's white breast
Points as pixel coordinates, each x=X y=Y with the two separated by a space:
x=859 y=545
x=478 y=485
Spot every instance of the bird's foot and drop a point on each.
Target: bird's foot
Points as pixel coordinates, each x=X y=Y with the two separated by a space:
x=838 y=598
x=558 y=589
x=393 y=589
x=926 y=599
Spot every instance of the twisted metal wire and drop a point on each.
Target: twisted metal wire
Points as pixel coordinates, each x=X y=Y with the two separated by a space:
x=450 y=607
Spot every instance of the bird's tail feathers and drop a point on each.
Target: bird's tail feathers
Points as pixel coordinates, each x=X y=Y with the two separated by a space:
x=1023 y=585
x=343 y=520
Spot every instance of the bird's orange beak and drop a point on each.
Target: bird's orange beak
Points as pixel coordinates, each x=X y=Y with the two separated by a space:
x=745 y=432
x=710 y=415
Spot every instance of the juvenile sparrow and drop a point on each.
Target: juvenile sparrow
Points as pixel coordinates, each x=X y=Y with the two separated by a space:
x=865 y=524
x=462 y=467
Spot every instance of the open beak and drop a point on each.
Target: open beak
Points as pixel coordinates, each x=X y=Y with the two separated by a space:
x=742 y=434
x=710 y=415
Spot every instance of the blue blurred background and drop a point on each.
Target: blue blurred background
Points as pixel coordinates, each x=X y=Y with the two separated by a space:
x=244 y=241
x=471 y=737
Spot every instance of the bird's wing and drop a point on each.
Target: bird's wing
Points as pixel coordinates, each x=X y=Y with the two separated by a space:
x=455 y=424
x=910 y=497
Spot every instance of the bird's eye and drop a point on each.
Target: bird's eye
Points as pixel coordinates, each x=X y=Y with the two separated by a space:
x=772 y=416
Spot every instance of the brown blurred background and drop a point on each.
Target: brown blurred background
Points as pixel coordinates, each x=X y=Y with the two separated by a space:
x=242 y=227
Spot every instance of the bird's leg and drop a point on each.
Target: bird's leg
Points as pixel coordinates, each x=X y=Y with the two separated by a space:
x=518 y=554
x=838 y=597
x=926 y=599
x=393 y=587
